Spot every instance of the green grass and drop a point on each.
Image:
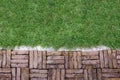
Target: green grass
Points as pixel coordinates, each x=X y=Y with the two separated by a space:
x=60 y=23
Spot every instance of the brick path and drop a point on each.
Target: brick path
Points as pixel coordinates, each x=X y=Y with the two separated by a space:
x=62 y=65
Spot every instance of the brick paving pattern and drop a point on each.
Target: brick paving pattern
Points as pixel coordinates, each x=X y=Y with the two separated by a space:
x=59 y=65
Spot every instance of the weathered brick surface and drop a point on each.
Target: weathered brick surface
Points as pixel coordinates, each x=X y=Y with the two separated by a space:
x=37 y=59
x=59 y=65
x=19 y=59
x=38 y=74
x=55 y=60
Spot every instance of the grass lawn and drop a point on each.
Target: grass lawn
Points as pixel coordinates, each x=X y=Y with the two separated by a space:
x=60 y=23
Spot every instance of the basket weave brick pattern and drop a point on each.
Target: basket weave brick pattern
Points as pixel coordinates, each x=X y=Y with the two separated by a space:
x=59 y=65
